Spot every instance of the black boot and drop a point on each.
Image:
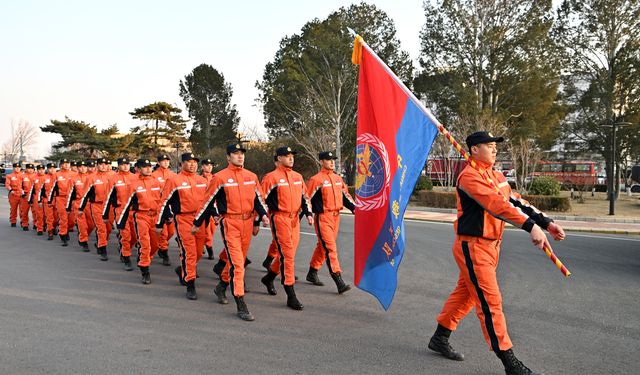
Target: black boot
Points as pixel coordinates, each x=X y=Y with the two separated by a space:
x=146 y=276
x=179 y=273
x=13 y=225
x=55 y=231
x=342 y=287
x=191 y=290
x=266 y=263
x=312 y=277
x=219 y=267
x=512 y=365
x=127 y=264
x=220 y=291
x=26 y=229
x=292 y=300
x=440 y=343
x=164 y=254
x=102 y=251
x=267 y=280
x=40 y=233
x=243 y=311
x=49 y=236
x=247 y=262
x=209 y=252
x=84 y=246
x=63 y=238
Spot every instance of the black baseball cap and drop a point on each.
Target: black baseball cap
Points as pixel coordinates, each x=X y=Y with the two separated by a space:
x=91 y=163
x=235 y=147
x=327 y=155
x=17 y=165
x=39 y=166
x=29 y=165
x=81 y=163
x=143 y=163
x=123 y=161
x=102 y=161
x=62 y=161
x=283 y=151
x=162 y=157
x=74 y=163
x=189 y=156
x=206 y=161
x=51 y=165
x=482 y=137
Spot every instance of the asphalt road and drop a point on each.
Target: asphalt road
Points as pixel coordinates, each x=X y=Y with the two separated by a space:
x=65 y=312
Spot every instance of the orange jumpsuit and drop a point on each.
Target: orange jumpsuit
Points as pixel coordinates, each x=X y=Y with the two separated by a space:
x=36 y=202
x=285 y=195
x=182 y=196
x=479 y=227
x=236 y=193
x=84 y=224
x=141 y=209
x=163 y=175
x=211 y=228
x=96 y=196
x=327 y=194
x=28 y=179
x=50 y=213
x=61 y=189
x=13 y=183
x=118 y=187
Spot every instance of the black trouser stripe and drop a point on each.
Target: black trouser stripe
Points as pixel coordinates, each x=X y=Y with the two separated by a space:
x=275 y=238
x=488 y=319
x=183 y=251
x=324 y=245
x=135 y=226
x=226 y=250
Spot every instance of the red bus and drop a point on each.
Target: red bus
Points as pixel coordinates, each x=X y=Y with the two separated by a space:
x=568 y=173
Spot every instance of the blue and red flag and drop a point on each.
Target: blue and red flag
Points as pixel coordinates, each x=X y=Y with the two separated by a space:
x=395 y=135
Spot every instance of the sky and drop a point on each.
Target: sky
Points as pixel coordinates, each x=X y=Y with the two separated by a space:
x=97 y=61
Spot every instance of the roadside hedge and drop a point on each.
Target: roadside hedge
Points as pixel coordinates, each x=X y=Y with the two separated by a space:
x=441 y=199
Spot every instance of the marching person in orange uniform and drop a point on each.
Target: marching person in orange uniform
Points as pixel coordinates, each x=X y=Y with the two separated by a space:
x=141 y=208
x=61 y=189
x=163 y=174
x=28 y=177
x=13 y=183
x=36 y=199
x=96 y=196
x=236 y=193
x=285 y=195
x=73 y=220
x=48 y=202
x=116 y=198
x=182 y=196
x=272 y=252
x=207 y=168
x=482 y=212
x=328 y=194
x=85 y=225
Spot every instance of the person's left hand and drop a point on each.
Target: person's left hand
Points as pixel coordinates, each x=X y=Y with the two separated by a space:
x=556 y=232
x=265 y=221
x=256 y=230
x=310 y=220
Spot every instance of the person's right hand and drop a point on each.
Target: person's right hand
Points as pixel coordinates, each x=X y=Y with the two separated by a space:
x=538 y=237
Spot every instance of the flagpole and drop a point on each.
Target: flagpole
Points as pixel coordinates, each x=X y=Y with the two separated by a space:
x=359 y=42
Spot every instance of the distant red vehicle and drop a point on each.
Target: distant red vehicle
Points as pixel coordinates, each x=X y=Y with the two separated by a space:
x=568 y=173
x=445 y=171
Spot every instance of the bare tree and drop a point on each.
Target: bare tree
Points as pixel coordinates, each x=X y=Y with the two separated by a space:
x=23 y=136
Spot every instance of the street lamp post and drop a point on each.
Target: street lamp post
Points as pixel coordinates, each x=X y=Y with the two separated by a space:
x=613 y=178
